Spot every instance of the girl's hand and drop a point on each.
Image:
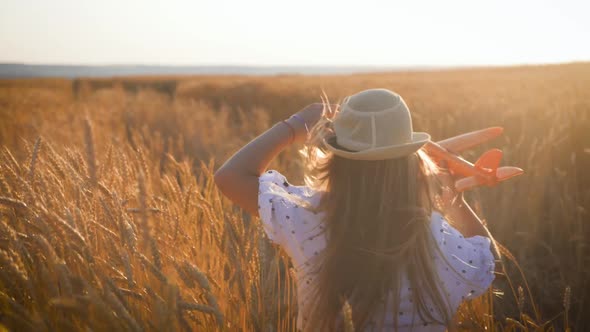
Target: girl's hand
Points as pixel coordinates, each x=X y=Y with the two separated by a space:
x=453 y=206
x=449 y=198
x=306 y=118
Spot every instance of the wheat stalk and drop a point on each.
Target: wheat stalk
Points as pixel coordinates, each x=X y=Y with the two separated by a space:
x=90 y=152
x=14 y=203
x=34 y=160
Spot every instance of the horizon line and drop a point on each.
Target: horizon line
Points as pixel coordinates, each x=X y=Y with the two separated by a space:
x=130 y=64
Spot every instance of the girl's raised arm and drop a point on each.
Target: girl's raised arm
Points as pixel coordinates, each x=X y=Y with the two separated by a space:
x=238 y=177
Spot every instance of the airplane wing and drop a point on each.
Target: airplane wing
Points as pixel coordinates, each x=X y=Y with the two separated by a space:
x=502 y=174
x=466 y=141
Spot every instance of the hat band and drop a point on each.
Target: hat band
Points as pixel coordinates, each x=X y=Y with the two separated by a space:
x=334 y=142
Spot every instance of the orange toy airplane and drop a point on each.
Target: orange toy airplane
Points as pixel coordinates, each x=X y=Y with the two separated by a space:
x=485 y=171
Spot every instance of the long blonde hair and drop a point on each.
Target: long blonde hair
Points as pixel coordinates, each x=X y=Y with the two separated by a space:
x=377 y=226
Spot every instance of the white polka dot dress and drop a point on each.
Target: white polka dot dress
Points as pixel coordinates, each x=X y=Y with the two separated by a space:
x=465 y=265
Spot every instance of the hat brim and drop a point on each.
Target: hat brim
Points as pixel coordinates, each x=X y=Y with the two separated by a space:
x=381 y=153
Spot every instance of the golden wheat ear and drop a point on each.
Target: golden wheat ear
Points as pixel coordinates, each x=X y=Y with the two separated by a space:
x=327 y=106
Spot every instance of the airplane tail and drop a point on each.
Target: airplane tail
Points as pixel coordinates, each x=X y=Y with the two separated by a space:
x=490 y=160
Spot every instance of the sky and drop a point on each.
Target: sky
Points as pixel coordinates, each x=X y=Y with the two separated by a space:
x=303 y=32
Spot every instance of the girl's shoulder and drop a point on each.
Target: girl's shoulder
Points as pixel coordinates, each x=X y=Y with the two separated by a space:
x=275 y=182
x=288 y=212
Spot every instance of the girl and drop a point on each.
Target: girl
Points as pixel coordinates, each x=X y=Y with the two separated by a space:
x=370 y=227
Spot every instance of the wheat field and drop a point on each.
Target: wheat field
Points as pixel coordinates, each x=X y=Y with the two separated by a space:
x=110 y=220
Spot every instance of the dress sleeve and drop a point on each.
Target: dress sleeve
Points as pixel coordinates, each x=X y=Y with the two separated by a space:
x=278 y=207
x=468 y=261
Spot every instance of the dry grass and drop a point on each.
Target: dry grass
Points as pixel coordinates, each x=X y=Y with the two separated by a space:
x=110 y=219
